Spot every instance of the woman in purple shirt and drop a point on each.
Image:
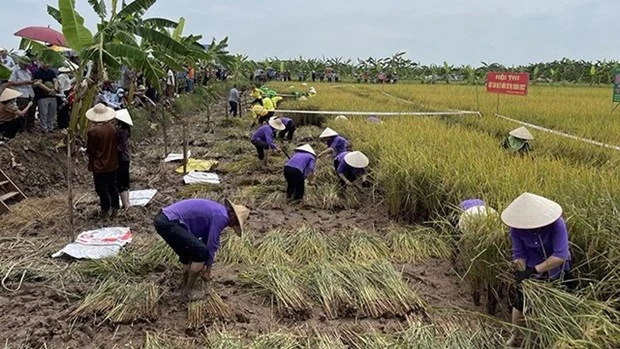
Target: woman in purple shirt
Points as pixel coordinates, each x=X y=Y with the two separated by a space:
x=192 y=228
x=336 y=144
x=299 y=168
x=350 y=167
x=289 y=131
x=540 y=247
x=263 y=138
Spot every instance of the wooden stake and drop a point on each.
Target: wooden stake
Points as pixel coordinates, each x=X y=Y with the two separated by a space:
x=70 y=187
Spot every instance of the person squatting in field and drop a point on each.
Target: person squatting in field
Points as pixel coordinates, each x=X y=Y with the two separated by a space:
x=123 y=133
x=102 y=147
x=351 y=169
x=11 y=118
x=300 y=166
x=336 y=144
x=540 y=245
x=192 y=228
x=517 y=141
x=264 y=138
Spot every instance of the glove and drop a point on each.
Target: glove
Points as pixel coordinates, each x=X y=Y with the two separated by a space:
x=525 y=274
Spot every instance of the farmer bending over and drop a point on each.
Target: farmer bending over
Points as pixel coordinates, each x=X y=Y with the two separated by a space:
x=263 y=138
x=539 y=244
x=336 y=144
x=299 y=168
x=289 y=131
x=259 y=113
x=351 y=167
x=192 y=228
x=518 y=141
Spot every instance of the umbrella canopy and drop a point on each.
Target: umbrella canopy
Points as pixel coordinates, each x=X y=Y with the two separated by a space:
x=45 y=34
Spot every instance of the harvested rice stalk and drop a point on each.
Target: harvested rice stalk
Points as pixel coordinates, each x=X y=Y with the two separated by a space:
x=369 y=340
x=360 y=247
x=237 y=250
x=417 y=245
x=561 y=319
x=125 y=264
x=402 y=298
x=161 y=256
x=327 y=288
x=163 y=341
x=367 y=298
x=121 y=302
x=283 y=284
x=211 y=308
x=222 y=339
x=308 y=244
x=273 y=340
x=322 y=340
x=272 y=249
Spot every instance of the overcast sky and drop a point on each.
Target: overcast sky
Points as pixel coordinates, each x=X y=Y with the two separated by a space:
x=431 y=31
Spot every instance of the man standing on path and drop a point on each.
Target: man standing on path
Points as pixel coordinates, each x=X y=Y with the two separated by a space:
x=21 y=80
x=234 y=100
x=192 y=228
x=102 y=148
x=45 y=95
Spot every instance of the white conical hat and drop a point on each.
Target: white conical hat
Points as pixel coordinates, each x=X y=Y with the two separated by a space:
x=9 y=94
x=277 y=124
x=473 y=214
x=307 y=148
x=356 y=159
x=304 y=84
x=341 y=118
x=100 y=113
x=123 y=115
x=530 y=211
x=328 y=132
x=522 y=133
x=303 y=98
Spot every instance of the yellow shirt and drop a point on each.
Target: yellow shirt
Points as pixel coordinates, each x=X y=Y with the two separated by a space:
x=256 y=93
x=268 y=104
x=276 y=100
x=258 y=110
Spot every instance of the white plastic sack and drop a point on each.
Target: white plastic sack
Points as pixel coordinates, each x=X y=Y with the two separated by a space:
x=177 y=156
x=97 y=244
x=201 y=177
x=141 y=197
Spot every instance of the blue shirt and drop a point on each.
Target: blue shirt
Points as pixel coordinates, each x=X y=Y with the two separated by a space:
x=339 y=144
x=265 y=134
x=536 y=245
x=286 y=121
x=304 y=162
x=205 y=219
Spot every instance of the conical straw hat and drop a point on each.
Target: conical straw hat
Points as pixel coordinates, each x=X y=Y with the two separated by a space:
x=356 y=159
x=307 y=148
x=277 y=124
x=530 y=211
x=471 y=216
x=9 y=94
x=328 y=132
x=242 y=213
x=341 y=118
x=123 y=115
x=100 y=113
x=522 y=133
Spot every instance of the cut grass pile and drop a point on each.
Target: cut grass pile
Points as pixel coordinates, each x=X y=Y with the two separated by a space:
x=210 y=309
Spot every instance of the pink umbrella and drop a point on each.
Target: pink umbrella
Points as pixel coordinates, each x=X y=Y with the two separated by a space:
x=45 y=34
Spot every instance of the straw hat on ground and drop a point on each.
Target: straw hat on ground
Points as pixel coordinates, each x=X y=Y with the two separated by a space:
x=141 y=88
x=9 y=94
x=307 y=148
x=277 y=124
x=242 y=213
x=473 y=215
x=100 y=113
x=522 y=133
x=356 y=159
x=341 y=118
x=530 y=211
x=123 y=115
x=328 y=132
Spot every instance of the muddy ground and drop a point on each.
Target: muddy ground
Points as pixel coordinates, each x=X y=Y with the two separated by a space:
x=35 y=310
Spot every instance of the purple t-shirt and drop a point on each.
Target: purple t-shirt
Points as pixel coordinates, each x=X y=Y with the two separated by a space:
x=339 y=144
x=265 y=134
x=304 y=162
x=467 y=204
x=286 y=121
x=205 y=219
x=345 y=169
x=536 y=245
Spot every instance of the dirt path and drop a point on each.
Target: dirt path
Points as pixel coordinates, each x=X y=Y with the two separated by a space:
x=37 y=312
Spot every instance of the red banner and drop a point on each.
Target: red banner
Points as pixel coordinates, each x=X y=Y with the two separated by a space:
x=508 y=83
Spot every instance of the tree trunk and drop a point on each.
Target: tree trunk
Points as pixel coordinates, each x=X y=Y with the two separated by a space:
x=185 y=141
x=70 y=186
x=164 y=124
x=209 y=118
